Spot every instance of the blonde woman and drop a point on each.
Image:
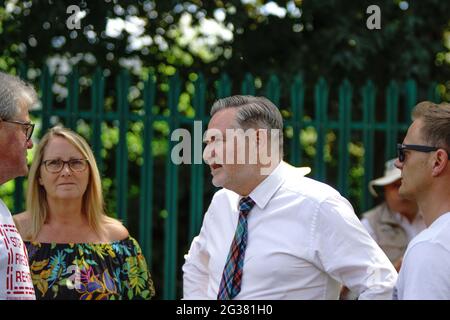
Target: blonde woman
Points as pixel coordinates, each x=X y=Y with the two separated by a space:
x=75 y=250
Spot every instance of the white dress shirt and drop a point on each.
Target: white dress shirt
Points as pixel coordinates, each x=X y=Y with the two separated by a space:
x=304 y=240
x=425 y=269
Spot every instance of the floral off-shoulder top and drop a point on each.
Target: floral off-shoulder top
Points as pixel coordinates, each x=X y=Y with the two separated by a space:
x=89 y=271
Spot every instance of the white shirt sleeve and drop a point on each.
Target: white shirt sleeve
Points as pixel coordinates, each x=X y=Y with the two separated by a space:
x=345 y=250
x=195 y=268
x=424 y=273
x=365 y=222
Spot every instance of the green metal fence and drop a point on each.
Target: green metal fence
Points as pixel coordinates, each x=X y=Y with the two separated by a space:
x=371 y=118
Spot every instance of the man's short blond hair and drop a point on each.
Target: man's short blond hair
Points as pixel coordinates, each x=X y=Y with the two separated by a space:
x=436 y=123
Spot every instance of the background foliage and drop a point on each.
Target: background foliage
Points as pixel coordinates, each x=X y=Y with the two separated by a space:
x=325 y=38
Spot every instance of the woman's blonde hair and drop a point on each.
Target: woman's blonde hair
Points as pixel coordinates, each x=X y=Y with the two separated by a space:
x=92 y=203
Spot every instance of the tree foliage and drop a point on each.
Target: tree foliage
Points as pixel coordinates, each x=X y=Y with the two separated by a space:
x=317 y=38
x=321 y=38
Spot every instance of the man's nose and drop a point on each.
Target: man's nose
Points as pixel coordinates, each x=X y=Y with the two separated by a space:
x=398 y=164
x=208 y=153
x=30 y=144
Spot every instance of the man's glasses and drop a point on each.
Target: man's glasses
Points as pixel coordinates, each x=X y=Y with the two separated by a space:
x=56 y=165
x=415 y=147
x=28 y=127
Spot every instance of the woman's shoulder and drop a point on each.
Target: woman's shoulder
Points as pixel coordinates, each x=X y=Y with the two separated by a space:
x=115 y=230
x=23 y=224
x=23 y=216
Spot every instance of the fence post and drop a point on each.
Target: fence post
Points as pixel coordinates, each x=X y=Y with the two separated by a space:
x=223 y=86
x=197 y=169
x=97 y=105
x=19 y=181
x=368 y=101
x=321 y=108
x=273 y=90
x=122 y=85
x=146 y=192
x=46 y=99
x=391 y=120
x=410 y=98
x=345 y=103
x=433 y=93
x=171 y=224
x=72 y=99
x=297 y=103
x=248 y=85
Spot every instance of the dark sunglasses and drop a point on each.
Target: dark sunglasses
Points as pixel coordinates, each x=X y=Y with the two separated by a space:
x=415 y=147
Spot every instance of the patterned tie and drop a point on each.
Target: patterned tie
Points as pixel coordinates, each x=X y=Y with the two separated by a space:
x=230 y=285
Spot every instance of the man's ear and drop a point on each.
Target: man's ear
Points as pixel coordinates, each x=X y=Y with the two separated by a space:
x=440 y=162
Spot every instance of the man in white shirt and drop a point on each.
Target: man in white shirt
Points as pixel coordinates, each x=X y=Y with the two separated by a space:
x=298 y=238
x=423 y=159
x=15 y=138
x=395 y=221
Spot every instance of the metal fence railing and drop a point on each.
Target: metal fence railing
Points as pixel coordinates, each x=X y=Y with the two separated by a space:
x=345 y=134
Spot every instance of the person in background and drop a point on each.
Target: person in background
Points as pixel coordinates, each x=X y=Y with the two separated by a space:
x=395 y=221
x=271 y=233
x=75 y=250
x=423 y=159
x=16 y=130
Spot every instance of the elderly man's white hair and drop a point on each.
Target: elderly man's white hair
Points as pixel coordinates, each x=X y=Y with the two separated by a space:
x=13 y=93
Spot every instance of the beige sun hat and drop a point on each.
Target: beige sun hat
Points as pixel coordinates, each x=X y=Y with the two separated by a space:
x=303 y=171
x=391 y=174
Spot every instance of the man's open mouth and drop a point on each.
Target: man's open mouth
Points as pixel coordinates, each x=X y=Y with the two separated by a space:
x=215 y=166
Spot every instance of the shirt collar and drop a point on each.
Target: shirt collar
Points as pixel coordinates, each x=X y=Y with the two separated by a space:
x=269 y=186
